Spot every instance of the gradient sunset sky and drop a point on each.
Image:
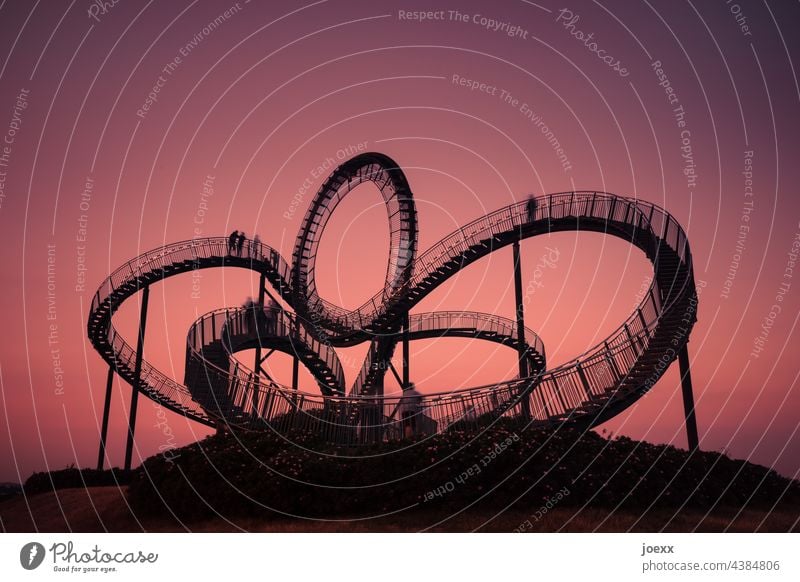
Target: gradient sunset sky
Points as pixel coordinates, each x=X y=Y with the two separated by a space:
x=113 y=119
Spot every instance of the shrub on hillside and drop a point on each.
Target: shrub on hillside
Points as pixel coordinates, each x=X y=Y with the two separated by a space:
x=73 y=477
x=268 y=474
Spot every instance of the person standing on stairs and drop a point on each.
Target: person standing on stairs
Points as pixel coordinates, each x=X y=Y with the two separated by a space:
x=249 y=315
x=410 y=409
x=232 y=241
x=531 y=208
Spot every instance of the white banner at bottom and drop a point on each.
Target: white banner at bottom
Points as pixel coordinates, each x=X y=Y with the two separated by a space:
x=342 y=557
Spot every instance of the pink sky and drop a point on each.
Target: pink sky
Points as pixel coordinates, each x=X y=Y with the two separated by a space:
x=257 y=104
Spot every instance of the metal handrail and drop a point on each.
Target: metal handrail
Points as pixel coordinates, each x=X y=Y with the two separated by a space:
x=559 y=391
x=446 y=320
x=227 y=321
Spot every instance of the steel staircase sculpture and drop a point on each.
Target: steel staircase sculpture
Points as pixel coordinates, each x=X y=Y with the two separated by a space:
x=587 y=390
x=464 y=324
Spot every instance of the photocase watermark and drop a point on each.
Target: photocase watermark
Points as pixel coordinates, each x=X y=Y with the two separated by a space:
x=677 y=340
x=450 y=486
x=475 y=19
x=534 y=118
x=490 y=24
x=82 y=234
x=100 y=8
x=665 y=83
x=781 y=292
x=206 y=193
x=321 y=170
x=743 y=228
x=568 y=19
x=549 y=504
x=167 y=449
x=689 y=167
x=507 y=98
x=498 y=449
x=51 y=315
x=679 y=114
x=741 y=19
x=548 y=260
x=644 y=288
x=31 y=555
x=171 y=67
x=474 y=85
x=14 y=126
x=67 y=558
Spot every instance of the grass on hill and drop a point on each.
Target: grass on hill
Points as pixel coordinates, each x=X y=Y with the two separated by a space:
x=502 y=480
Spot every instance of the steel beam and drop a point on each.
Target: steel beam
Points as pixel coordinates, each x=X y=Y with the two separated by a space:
x=688 y=399
x=101 y=455
x=406 y=333
x=520 y=312
x=137 y=375
x=262 y=284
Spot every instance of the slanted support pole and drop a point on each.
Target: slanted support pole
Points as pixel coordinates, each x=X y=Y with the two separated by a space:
x=520 y=312
x=406 y=332
x=101 y=455
x=137 y=374
x=688 y=399
x=256 y=318
x=396 y=375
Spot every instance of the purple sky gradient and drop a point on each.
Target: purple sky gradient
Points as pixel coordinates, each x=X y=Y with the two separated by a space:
x=262 y=98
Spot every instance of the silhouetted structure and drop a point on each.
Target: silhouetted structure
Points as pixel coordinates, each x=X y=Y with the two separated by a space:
x=218 y=390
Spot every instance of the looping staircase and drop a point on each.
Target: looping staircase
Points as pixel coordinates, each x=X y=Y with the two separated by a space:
x=588 y=390
x=463 y=324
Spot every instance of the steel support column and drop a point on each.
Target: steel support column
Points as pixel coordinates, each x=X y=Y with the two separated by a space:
x=688 y=399
x=520 y=313
x=262 y=282
x=101 y=455
x=295 y=373
x=295 y=361
x=137 y=374
x=406 y=372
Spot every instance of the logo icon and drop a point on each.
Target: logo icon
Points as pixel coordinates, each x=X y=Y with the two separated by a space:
x=31 y=555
